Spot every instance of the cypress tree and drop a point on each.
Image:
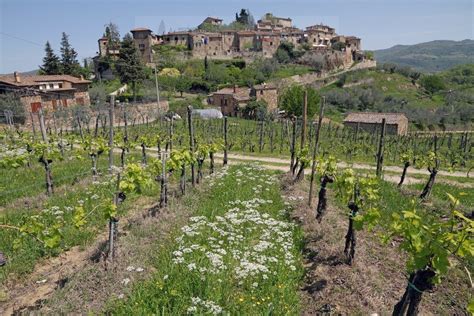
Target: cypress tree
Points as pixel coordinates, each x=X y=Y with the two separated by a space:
x=51 y=64
x=70 y=64
x=129 y=66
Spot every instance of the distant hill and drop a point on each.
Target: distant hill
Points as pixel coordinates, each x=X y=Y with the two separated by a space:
x=430 y=56
x=24 y=73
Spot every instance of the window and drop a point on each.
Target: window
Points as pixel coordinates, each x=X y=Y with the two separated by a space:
x=35 y=106
x=271 y=43
x=60 y=85
x=261 y=92
x=141 y=46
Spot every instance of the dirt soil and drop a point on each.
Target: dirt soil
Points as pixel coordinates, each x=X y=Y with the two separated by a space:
x=375 y=281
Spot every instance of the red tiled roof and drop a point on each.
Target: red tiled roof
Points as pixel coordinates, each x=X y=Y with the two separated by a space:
x=241 y=93
x=37 y=79
x=140 y=29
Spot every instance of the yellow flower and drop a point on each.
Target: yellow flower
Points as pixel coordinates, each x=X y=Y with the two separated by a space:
x=241 y=299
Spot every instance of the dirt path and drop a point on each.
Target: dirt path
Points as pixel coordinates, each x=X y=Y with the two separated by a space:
x=270 y=163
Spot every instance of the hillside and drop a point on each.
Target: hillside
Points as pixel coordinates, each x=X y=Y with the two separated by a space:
x=430 y=56
x=397 y=90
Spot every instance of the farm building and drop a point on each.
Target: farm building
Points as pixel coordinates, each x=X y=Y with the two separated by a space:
x=396 y=123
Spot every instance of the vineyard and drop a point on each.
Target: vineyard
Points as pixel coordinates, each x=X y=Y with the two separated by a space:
x=232 y=216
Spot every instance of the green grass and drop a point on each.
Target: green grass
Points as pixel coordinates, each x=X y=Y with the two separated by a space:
x=440 y=190
x=28 y=182
x=184 y=270
x=21 y=259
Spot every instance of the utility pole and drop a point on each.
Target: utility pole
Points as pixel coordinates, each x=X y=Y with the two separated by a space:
x=157 y=91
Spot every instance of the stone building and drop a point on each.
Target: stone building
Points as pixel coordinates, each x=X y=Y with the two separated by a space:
x=262 y=41
x=144 y=41
x=211 y=21
x=269 y=22
x=230 y=100
x=268 y=93
x=46 y=91
x=395 y=123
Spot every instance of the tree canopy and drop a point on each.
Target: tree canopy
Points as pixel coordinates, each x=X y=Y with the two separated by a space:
x=70 y=64
x=51 y=64
x=292 y=100
x=129 y=66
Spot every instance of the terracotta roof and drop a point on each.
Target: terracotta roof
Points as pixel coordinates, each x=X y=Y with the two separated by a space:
x=372 y=117
x=140 y=29
x=241 y=93
x=37 y=79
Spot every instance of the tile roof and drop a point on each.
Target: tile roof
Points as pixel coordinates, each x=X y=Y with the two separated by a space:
x=140 y=29
x=241 y=93
x=32 y=80
x=372 y=117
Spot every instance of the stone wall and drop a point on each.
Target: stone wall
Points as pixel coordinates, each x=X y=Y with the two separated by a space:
x=390 y=129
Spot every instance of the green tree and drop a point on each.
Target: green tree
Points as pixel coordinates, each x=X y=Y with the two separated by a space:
x=51 y=64
x=432 y=84
x=69 y=63
x=292 y=100
x=113 y=36
x=183 y=84
x=256 y=110
x=129 y=66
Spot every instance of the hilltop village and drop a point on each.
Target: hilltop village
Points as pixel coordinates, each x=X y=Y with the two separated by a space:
x=212 y=39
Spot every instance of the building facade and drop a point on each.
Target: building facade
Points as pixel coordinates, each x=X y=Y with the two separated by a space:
x=395 y=123
x=49 y=92
x=262 y=41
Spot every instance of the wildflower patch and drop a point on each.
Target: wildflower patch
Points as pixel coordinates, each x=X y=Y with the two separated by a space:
x=238 y=254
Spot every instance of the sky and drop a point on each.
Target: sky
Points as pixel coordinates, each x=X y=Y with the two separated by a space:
x=26 y=25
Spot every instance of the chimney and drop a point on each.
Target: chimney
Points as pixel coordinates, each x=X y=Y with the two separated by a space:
x=17 y=77
x=82 y=78
x=235 y=88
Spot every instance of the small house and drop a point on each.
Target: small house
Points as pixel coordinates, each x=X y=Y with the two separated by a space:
x=395 y=123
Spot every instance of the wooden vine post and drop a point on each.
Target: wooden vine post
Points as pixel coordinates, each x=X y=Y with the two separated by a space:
x=305 y=118
x=111 y=132
x=164 y=183
x=191 y=141
x=225 y=141
x=113 y=222
x=380 y=150
x=293 y=145
x=315 y=149
x=433 y=172
x=45 y=160
x=260 y=141
x=349 y=248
